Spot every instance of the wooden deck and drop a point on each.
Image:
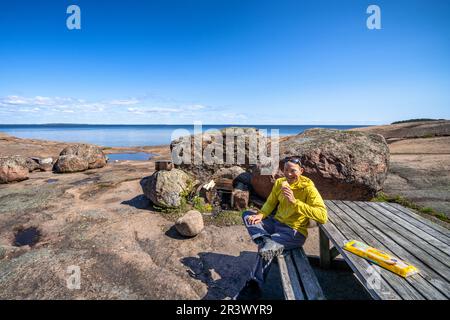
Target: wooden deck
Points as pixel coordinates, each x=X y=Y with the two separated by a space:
x=398 y=231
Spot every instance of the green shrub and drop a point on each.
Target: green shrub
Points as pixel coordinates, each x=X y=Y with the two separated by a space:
x=200 y=205
x=427 y=210
x=416 y=120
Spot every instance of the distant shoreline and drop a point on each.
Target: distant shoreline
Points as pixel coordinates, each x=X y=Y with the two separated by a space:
x=179 y=125
x=138 y=135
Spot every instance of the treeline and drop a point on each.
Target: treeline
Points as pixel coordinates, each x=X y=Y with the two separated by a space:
x=416 y=120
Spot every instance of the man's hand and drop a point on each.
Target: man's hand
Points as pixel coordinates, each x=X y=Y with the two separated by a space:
x=254 y=219
x=287 y=192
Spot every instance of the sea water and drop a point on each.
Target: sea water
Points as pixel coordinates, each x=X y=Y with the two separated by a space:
x=132 y=135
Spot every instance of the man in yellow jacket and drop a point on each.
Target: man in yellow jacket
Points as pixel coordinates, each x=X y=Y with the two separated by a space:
x=298 y=202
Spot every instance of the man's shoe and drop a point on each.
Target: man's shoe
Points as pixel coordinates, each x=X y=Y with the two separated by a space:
x=251 y=291
x=260 y=240
x=271 y=249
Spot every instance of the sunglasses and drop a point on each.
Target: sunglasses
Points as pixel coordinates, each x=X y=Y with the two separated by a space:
x=293 y=160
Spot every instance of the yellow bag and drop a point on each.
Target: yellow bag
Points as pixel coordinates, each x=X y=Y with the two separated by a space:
x=381 y=258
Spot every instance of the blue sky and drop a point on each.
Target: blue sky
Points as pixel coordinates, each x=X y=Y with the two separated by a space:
x=224 y=62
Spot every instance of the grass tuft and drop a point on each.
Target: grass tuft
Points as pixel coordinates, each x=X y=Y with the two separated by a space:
x=383 y=197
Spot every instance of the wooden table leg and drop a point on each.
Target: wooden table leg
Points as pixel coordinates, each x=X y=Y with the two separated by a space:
x=325 y=256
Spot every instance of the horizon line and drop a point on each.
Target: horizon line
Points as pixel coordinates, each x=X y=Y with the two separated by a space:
x=172 y=124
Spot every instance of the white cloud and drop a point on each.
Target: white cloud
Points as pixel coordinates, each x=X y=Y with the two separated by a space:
x=232 y=115
x=180 y=110
x=135 y=111
x=29 y=110
x=55 y=104
x=14 y=100
x=196 y=107
x=61 y=104
x=124 y=102
x=130 y=109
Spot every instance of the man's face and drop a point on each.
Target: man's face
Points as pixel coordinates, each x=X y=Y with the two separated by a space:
x=292 y=171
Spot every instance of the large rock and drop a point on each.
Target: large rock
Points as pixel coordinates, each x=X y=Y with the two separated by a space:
x=204 y=154
x=70 y=163
x=262 y=182
x=191 y=224
x=73 y=158
x=13 y=169
x=167 y=188
x=91 y=153
x=30 y=163
x=344 y=165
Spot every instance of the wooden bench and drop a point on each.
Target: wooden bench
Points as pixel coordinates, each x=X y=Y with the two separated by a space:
x=297 y=277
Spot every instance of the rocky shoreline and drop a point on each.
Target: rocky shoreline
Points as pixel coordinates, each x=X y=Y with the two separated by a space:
x=100 y=220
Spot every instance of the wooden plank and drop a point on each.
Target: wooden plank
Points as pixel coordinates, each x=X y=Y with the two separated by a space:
x=295 y=280
x=325 y=257
x=309 y=280
x=412 y=246
x=403 y=288
x=425 y=271
x=384 y=217
x=359 y=266
x=289 y=278
x=365 y=230
x=445 y=232
x=436 y=243
x=414 y=221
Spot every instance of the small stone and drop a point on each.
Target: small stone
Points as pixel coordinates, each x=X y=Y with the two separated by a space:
x=46 y=164
x=191 y=224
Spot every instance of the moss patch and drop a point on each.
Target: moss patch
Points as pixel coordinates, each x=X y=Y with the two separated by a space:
x=36 y=198
x=225 y=218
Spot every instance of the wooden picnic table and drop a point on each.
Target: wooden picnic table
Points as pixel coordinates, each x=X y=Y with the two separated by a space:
x=397 y=231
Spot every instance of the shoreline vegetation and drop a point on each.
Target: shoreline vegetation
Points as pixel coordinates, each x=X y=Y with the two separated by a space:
x=416 y=120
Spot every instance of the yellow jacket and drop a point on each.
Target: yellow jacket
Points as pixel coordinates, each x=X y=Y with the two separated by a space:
x=308 y=205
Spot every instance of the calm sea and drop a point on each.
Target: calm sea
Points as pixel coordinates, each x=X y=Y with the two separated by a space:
x=132 y=135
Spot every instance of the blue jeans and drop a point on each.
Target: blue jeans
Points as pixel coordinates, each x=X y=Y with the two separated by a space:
x=278 y=232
